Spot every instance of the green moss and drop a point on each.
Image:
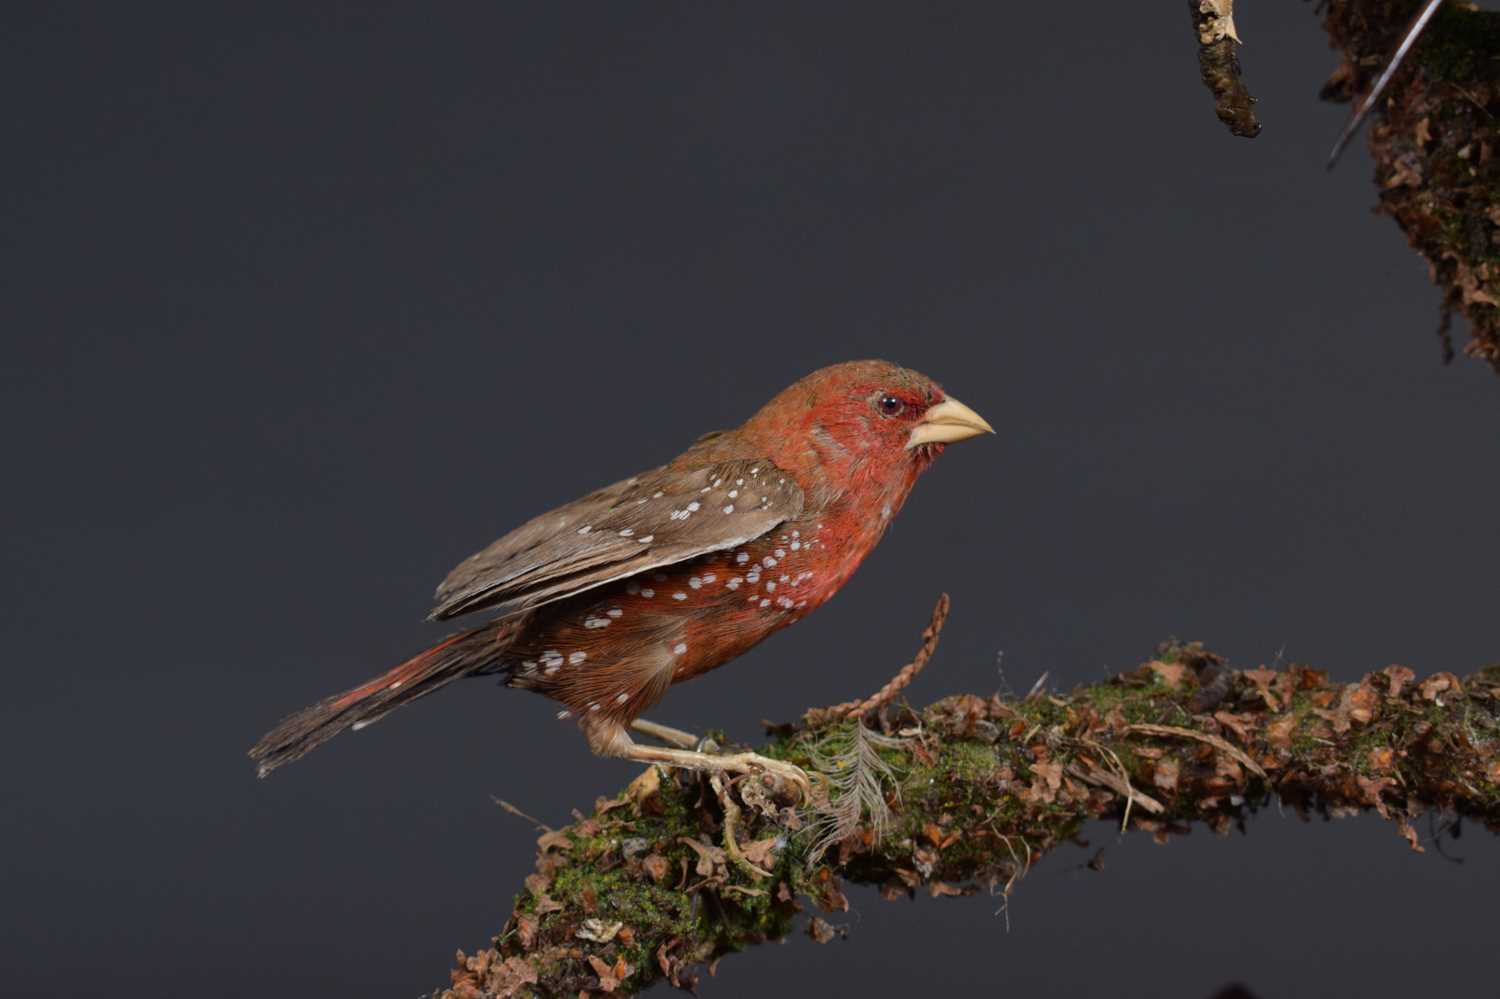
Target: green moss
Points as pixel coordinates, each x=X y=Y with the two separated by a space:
x=1460 y=45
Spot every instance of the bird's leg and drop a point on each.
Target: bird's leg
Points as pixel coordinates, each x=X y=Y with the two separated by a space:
x=614 y=740
x=666 y=733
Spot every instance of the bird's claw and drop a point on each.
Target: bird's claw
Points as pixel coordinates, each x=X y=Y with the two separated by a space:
x=787 y=773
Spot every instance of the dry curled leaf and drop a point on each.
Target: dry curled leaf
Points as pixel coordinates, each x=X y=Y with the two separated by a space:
x=821 y=930
x=1170 y=674
x=1404 y=828
x=1399 y=676
x=1279 y=732
x=1438 y=684
x=610 y=975
x=1166 y=774
x=710 y=858
x=1263 y=678
x=656 y=866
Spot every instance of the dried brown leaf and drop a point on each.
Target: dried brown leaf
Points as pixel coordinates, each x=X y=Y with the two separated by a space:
x=821 y=930
x=1166 y=774
x=610 y=976
x=1279 y=732
x=1410 y=834
x=1170 y=674
x=1399 y=676
x=1438 y=684
x=1263 y=678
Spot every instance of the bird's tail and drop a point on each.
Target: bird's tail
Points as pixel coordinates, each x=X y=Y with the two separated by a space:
x=455 y=657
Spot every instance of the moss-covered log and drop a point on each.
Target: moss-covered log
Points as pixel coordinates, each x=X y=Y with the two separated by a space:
x=964 y=795
x=1436 y=145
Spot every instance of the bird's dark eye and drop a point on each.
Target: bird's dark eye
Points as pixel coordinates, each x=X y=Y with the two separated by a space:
x=889 y=405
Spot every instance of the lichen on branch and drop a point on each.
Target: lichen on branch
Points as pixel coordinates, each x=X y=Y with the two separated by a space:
x=671 y=875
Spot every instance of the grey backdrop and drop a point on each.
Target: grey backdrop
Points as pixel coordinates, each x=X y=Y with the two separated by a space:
x=303 y=303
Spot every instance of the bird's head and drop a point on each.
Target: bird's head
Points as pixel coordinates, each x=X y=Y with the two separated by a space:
x=862 y=420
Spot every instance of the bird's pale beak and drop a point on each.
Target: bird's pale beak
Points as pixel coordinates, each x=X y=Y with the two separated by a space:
x=948 y=421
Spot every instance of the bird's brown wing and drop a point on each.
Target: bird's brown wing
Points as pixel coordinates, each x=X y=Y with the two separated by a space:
x=667 y=515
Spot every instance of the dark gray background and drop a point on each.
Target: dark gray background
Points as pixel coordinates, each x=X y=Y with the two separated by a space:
x=302 y=304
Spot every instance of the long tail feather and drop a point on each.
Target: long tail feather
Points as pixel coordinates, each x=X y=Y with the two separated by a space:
x=456 y=657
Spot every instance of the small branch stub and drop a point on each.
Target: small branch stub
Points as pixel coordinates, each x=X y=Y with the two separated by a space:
x=1219 y=65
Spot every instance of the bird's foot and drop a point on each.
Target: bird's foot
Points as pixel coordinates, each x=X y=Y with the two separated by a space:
x=734 y=763
x=788 y=773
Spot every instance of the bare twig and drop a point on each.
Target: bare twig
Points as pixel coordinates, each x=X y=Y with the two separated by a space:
x=1215 y=741
x=897 y=683
x=513 y=810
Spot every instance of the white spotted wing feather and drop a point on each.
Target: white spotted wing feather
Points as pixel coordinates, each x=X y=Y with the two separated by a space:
x=668 y=515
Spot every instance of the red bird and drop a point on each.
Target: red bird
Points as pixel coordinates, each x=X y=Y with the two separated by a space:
x=607 y=601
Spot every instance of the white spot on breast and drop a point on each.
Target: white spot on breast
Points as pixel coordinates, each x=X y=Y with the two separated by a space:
x=577 y=657
x=783 y=578
x=529 y=666
x=885 y=511
x=596 y=622
x=679 y=595
x=648 y=594
x=739 y=482
x=768 y=562
x=733 y=493
x=781 y=553
x=695 y=582
x=796 y=545
x=658 y=494
x=771 y=586
x=693 y=507
x=709 y=578
x=796 y=534
x=755 y=470
x=627 y=532
x=740 y=558
x=752 y=577
x=615 y=613
x=729 y=508
x=679 y=648
x=733 y=582
x=784 y=602
x=765 y=603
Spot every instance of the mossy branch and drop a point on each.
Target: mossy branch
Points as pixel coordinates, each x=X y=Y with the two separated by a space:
x=1436 y=145
x=660 y=881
